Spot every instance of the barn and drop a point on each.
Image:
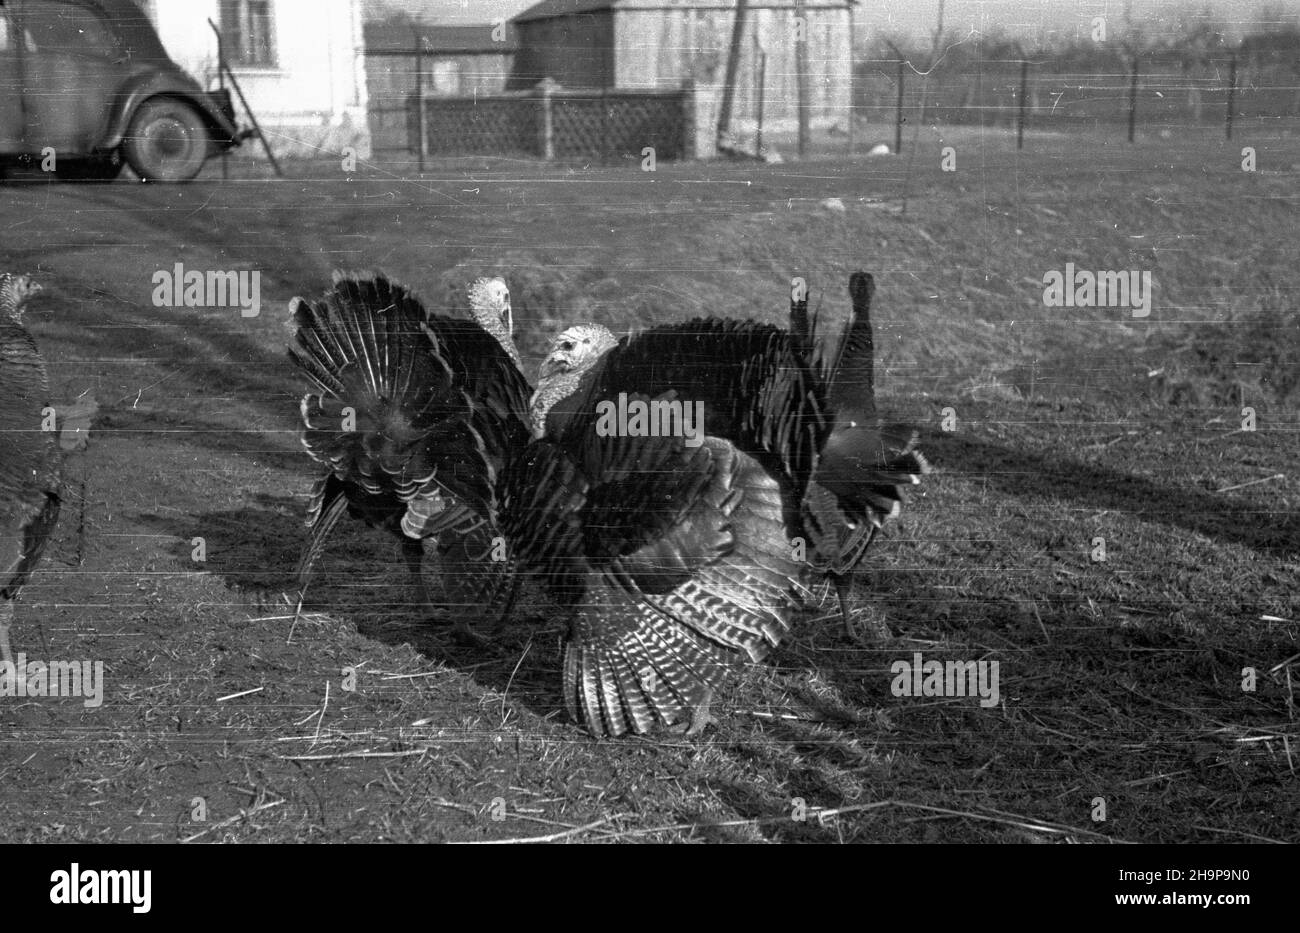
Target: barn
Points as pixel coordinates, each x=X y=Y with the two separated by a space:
x=405 y=58
x=664 y=44
x=452 y=61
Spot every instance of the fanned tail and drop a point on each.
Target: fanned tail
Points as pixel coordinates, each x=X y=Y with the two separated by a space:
x=659 y=674
x=636 y=660
x=391 y=417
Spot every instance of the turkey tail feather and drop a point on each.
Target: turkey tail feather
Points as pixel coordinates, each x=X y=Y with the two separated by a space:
x=328 y=506
x=637 y=659
x=852 y=379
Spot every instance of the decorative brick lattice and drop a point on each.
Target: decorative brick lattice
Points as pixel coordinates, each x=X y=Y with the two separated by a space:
x=617 y=124
x=486 y=126
x=594 y=125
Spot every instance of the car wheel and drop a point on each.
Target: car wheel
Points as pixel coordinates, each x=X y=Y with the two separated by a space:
x=166 y=141
x=96 y=168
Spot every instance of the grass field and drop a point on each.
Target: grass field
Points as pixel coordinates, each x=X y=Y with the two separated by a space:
x=1120 y=680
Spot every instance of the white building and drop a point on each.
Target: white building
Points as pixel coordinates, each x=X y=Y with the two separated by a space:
x=300 y=63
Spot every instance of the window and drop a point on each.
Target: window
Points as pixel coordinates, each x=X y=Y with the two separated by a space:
x=68 y=29
x=247 y=33
x=446 y=77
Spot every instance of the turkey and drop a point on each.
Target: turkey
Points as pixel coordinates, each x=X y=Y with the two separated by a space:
x=847 y=369
x=675 y=492
x=29 y=456
x=411 y=415
x=681 y=549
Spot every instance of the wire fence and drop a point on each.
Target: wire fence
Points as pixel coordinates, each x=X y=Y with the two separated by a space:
x=1119 y=96
x=1052 y=96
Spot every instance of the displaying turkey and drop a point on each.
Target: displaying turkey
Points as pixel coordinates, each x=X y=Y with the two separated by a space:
x=29 y=455
x=679 y=492
x=676 y=559
x=412 y=415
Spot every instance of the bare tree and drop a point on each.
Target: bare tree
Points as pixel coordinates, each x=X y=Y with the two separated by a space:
x=936 y=41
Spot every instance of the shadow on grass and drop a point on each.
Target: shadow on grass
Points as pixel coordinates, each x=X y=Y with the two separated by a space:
x=1019 y=472
x=363 y=579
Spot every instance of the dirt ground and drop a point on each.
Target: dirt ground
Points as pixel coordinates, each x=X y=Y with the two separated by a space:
x=1121 y=680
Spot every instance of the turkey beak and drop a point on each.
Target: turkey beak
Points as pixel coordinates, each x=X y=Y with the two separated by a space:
x=550 y=366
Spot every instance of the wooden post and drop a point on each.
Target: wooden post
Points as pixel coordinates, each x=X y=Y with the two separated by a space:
x=421 y=115
x=801 y=71
x=1232 y=92
x=221 y=84
x=1133 y=101
x=252 y=117
x=733 y=64
x=761 y=82
x=1024 y=96
x=853 y=78
x=898 y=116
x=689 y=150
x=606 y=144
x=545 y=88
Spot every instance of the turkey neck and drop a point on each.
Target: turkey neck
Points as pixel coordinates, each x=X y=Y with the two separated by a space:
x=24 y=390
x=491 y=322
x=551 y=390
x=22 y=374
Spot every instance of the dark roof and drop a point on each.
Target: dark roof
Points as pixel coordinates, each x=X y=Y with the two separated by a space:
x=446 y=40
x=551 y=8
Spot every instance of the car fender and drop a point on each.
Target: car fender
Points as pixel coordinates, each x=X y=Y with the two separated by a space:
x=136 y=92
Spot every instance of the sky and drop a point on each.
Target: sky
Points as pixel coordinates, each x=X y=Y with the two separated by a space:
x=1020 y=18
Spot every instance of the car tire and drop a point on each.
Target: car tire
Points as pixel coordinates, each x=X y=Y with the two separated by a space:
x=166 y=141
x=104 y=167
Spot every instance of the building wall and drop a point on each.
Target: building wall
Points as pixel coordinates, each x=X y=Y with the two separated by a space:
x=576 y=51
x=313 y=100
x=390 y=78
x=662 y=48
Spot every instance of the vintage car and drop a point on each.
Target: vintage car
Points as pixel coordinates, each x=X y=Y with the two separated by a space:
x=89 y=83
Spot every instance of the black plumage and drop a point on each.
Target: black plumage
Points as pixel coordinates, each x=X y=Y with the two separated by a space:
x=30 y=458
x=678 y=562
x=412 y=414
x=674 y=555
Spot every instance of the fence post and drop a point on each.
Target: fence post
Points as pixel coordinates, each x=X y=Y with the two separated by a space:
x=1133 y=100
x=693 y=141
x=1232 y=92
x=853 y=78
x=221 y=84
x=546 y=144
x=606 y=127
x=421 y=117
x=729 y=76
x=761 y=79
x=1024 y=95
x=898 y=117
x=801 y=72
